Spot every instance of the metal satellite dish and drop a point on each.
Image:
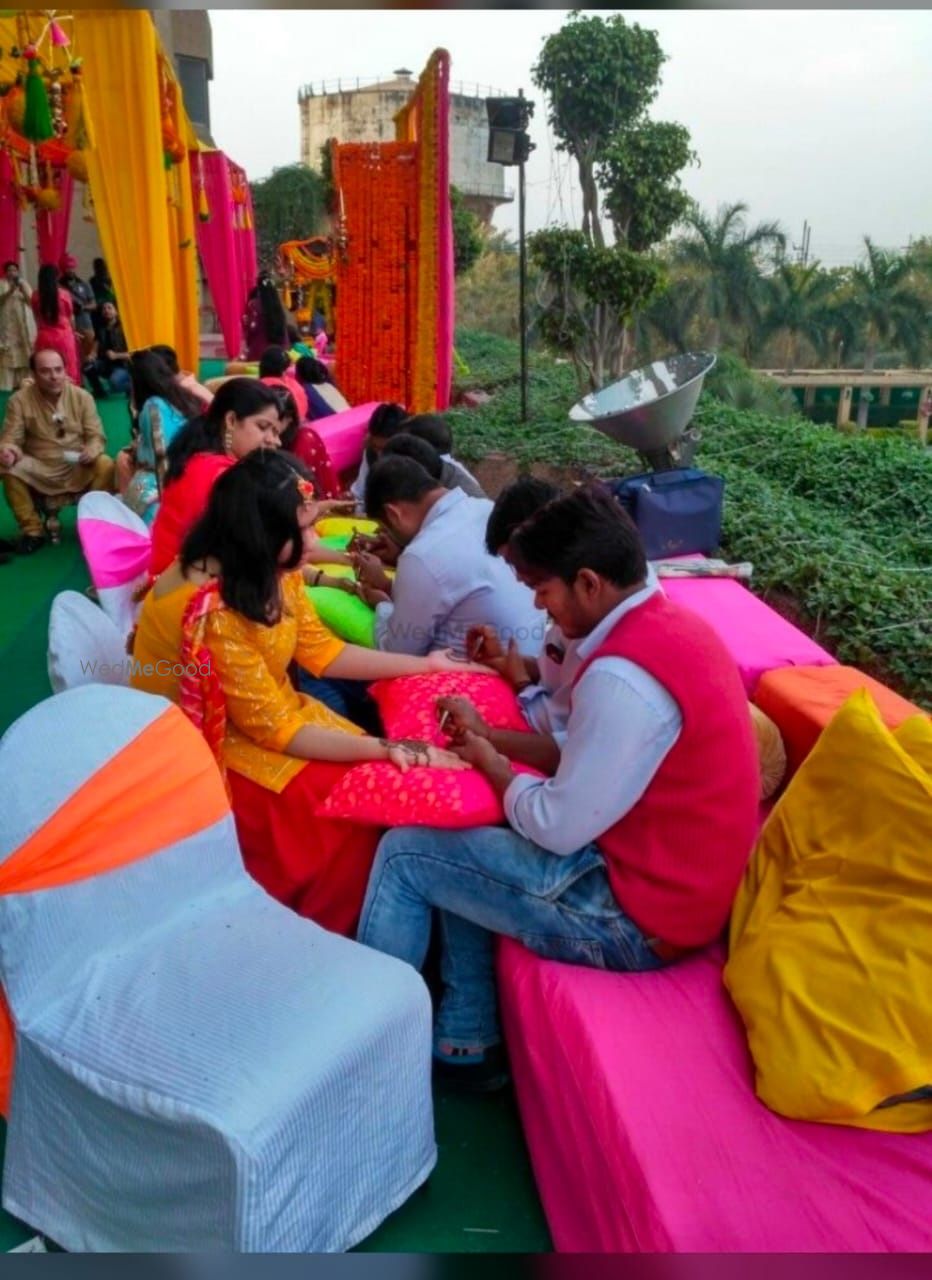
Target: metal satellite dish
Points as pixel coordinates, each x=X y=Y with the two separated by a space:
x=650 y=409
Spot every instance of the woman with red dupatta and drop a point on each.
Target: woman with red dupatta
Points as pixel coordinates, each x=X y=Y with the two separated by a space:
x=218 y=633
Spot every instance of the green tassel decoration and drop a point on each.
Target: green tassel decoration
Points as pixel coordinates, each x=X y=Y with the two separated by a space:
x=37 y=117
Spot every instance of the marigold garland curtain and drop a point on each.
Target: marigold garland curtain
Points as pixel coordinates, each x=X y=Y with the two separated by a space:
x=185 y=270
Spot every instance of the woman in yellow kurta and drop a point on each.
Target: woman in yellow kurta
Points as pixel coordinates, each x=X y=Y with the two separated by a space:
x=218 y=633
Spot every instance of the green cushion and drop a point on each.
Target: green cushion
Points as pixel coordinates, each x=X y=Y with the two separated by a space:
x=338 y=542
x=334 y=570
x=347 y=616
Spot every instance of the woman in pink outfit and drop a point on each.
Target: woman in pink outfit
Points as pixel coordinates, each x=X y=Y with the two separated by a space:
x=54 y=312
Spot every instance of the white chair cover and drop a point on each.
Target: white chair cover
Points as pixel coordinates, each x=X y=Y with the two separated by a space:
x=197 y=1067
x=117 y=546
x=85 y=646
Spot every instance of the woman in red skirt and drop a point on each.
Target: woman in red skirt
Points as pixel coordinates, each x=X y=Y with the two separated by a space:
x=218 y=633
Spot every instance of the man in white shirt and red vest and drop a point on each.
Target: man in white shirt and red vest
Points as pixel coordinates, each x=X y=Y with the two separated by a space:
x=630 y=855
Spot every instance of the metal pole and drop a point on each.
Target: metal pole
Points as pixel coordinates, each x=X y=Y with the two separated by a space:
x=522 y=285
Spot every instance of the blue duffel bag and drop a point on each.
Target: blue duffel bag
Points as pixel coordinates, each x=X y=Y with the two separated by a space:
x=677 y=512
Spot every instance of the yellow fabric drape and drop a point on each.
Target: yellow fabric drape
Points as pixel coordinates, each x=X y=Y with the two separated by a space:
x=184 y=260
x=127 y=174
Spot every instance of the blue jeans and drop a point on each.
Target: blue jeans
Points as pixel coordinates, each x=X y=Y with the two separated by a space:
x=119 y=380
x=485 y=881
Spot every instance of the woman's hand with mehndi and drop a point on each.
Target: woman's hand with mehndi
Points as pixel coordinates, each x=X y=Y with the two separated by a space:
x=411 y=753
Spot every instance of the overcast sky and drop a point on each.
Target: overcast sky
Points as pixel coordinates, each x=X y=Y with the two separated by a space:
x=823 y=116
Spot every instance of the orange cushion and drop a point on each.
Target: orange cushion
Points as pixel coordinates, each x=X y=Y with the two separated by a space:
x=802 y=700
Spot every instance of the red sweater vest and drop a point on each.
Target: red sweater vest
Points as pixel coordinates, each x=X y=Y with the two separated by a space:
x=676 y=858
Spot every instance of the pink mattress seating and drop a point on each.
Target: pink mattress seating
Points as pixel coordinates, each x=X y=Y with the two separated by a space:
x=637 y=1098
x=645 y=1134
x=757 y=637
x=343 y=434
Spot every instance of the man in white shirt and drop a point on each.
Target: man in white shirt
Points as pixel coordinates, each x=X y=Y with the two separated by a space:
x=385 y=422
x=446 y=582
x=630 y=855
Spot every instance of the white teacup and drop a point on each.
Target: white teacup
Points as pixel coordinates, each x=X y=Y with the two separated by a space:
x=71 y=455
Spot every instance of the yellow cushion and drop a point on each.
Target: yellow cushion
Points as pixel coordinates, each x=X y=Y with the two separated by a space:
x=344 y=526
x=915 y=737
x=830 y=961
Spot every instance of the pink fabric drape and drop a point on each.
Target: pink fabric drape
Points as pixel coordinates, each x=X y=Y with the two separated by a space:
x=216 y=242
x=10 y=215
x=445 y=287
x=52 y=228
x=249 y=263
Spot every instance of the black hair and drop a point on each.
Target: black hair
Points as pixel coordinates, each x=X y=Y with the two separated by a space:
x=396 y=479
x=273 y=362
x=251 y=516
x=586 y=530
x=273 y=313
x=47 y=286
x=168 y=354
x=515 y=504
x=288 y=409
x=408 y=446
x=151 y=376
x=309 y=369
x=204 y=434
x=432 y=428
x=100 y=267
x=386 y=421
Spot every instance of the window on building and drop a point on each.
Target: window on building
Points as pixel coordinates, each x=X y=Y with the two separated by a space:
x=193 y=74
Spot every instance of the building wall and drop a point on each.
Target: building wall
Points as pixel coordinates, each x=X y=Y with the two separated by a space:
x=367 y=115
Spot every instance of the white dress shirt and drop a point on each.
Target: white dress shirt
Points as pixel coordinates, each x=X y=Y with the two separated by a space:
x=446 y=582
x=622 y=724
x=546 y=705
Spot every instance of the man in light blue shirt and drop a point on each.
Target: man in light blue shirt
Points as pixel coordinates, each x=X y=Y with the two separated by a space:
x=446 y=582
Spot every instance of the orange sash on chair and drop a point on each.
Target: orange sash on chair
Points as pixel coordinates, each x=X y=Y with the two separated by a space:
x=132 y=801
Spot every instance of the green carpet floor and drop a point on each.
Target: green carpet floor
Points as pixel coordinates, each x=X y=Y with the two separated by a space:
x=481 y=1197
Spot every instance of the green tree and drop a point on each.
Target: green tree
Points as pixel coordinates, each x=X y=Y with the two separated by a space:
x=799 y=307
x=640 y=173
x=727 y=258
x=487 y=295
x=885 y=306
x=672 y=315
x=600 y=75
x=290 y=204
x=591 y=297
x=467 y=233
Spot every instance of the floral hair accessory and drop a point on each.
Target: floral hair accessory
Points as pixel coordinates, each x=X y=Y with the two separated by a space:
x=306 y=490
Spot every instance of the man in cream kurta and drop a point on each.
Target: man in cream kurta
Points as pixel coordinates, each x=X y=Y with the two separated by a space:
x=52 y=443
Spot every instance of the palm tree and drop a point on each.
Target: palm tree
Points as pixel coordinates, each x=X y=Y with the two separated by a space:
x=798 y=307
x=671 y=316
x=885 y=306
x=727 y=257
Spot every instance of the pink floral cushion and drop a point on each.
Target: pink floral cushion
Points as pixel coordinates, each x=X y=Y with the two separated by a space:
x=379 y=794
x=408 y=704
